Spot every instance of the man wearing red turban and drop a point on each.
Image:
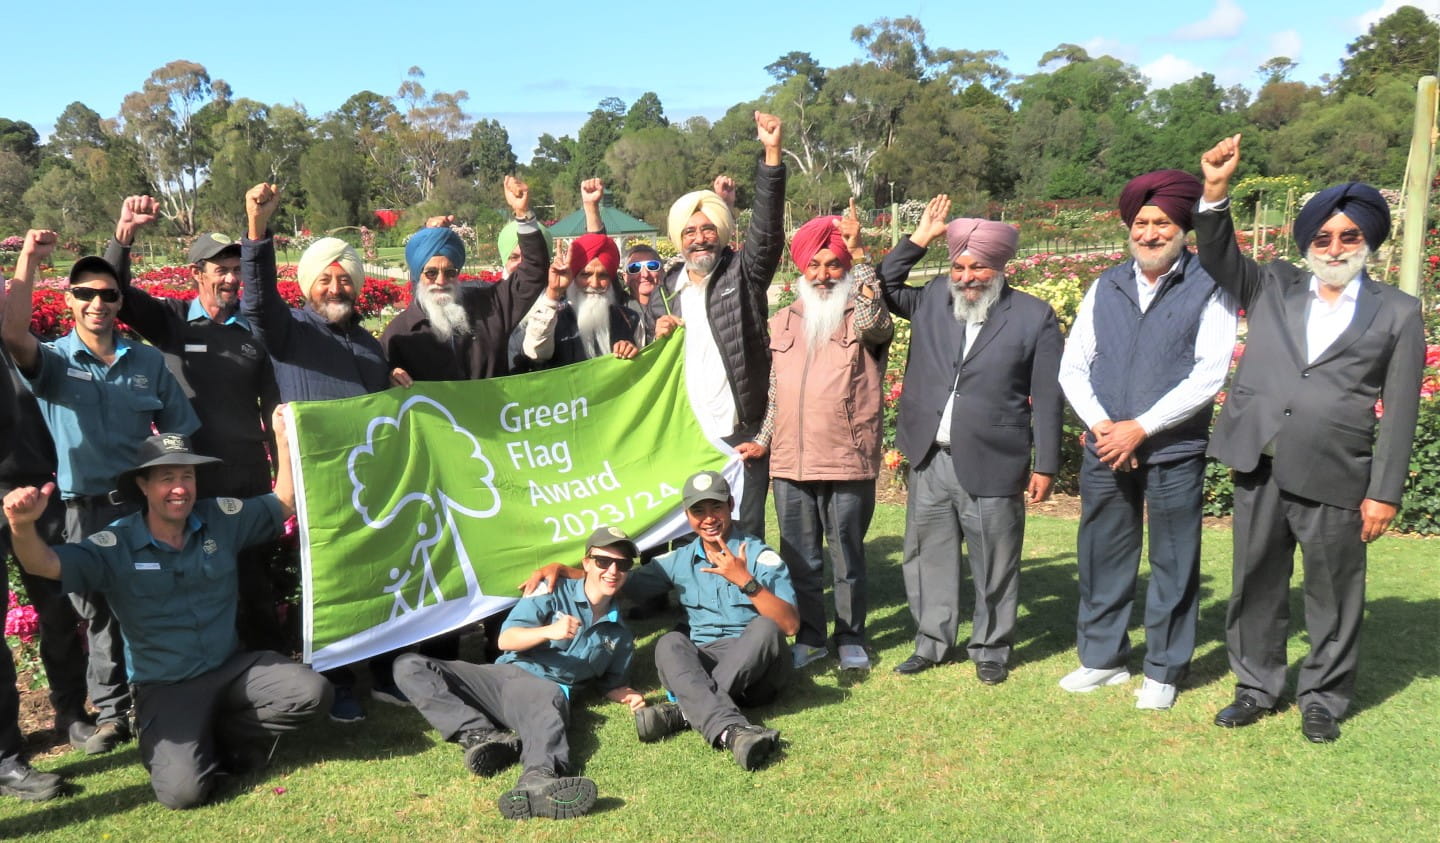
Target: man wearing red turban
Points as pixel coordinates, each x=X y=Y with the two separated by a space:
x=1148 y=351
x=580 y=316
x=822 y=429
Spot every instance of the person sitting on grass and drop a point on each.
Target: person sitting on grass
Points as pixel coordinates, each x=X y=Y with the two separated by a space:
x=203 y=705
x=739 y=607
x=519 y=707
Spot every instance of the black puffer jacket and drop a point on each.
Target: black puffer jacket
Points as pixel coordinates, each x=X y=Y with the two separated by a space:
x=736 y=300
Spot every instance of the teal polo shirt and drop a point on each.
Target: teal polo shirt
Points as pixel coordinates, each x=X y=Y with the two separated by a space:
x=176 y=607
x=714 y=606
x=601 y=650
x=98 y=415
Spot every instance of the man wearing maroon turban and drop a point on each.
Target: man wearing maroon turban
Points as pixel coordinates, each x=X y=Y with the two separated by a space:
x=979 y=394
x=579 y=317
x=1148 y=351
x=1312 y=464
x=822 y=429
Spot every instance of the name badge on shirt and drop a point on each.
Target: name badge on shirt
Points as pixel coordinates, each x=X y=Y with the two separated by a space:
x=80 y=374
x=195 y=348
x=147 y=566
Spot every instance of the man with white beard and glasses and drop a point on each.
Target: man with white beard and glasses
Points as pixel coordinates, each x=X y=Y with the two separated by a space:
x=460 y=331
x=822 y=429
x=721 y=294
x=579 y=317
x=1149 y=349
x=1312 y=463
x=981 y=375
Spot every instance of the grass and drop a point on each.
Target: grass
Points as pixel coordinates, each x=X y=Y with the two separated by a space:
x=933 y=757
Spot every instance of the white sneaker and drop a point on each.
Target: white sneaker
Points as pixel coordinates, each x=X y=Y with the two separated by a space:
x=1085 y=679
x=1156 y=696
x=803 y=654
x=854 y=657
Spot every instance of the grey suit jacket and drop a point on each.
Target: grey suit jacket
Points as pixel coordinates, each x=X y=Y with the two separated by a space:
x=1320 y=415
x=1008 y=389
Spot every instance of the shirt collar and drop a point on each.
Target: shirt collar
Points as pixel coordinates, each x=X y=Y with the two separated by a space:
x=197 y=312
x=73 y=347
x=139 y=532
x=1349 y=294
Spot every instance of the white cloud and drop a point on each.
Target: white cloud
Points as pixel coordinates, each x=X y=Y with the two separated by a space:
x=1169 y=70
x=1102 y=46
x=1224 y=21
x=1287 y=43
x=1368 y=19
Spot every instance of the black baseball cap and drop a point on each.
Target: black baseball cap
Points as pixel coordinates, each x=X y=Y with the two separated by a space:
x=210 y=245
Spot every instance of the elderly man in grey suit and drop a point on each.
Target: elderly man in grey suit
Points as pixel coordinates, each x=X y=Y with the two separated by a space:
x=982 y=376
x=1312 y=465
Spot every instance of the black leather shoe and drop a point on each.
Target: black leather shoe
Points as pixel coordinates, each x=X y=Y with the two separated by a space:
x=1243 y=712
x=77 y=732
x=1318 y=724
x=991 y=673
x=915 y=664
x=25 y=782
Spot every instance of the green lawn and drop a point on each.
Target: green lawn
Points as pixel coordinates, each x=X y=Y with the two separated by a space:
x=934 y=757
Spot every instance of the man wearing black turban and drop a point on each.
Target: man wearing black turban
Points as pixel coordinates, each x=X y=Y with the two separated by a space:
x=1299 y=428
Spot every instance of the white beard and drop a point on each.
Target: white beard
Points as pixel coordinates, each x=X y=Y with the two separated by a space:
x=1162 y=261
x=1336 y=277
x=592 y=315
x=824 y=314
x=447 y=316
x=979 y=310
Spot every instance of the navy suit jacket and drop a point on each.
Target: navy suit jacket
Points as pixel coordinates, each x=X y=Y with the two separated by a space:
x=1007 y=388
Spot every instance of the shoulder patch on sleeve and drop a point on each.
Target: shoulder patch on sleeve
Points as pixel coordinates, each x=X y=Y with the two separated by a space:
x=769 y=558
x=104 y=538
x=230 y=506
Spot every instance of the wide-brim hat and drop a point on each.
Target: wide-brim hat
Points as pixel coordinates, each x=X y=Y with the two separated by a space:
x=161 y=449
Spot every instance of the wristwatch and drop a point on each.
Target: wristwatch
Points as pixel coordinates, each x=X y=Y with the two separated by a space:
x=750 y=589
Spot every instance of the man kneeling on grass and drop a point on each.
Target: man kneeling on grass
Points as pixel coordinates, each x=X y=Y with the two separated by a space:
x=739 y=608
x=518 y=708
x=203 y=705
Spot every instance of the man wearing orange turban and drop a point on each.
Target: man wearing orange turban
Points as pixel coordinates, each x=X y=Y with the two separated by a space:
x=822 y=430
x=979 y=394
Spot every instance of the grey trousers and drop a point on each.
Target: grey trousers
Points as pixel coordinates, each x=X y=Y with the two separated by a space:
x=757 y=485
x=938 y=516
x=836 y=513
x=711 y=681
x=458 y=696
x=185 y=727
x=105 y=676
x=1268 y=525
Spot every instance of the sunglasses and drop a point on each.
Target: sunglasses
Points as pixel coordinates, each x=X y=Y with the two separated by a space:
x=623 y=564
x=109 y=295
x=432 y=273
x=653 y=266
x=1348 y=237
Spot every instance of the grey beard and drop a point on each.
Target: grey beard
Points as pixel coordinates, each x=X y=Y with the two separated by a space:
x=1336 y=277
x=335 y=312
x=592 y=316
x=703 y=262
x=1164 y=260
x=979 y=310
x=824 y=314
x=447 y=316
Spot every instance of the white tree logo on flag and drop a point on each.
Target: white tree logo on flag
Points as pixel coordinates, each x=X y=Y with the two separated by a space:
x=428 y=506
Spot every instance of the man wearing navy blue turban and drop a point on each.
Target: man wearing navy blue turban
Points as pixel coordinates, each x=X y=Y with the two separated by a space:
x=1312 y=464
x=459 y=331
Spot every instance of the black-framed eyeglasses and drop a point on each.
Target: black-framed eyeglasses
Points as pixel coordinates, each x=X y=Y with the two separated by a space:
x=109 y=295
x=1348 y=237
x=652 y=265
x=623 y=564
x=432 y=273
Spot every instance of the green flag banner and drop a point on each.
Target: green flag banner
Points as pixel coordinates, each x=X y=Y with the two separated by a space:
x=422 y=510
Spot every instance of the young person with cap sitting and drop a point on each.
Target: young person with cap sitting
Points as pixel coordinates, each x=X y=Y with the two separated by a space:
x=203 y=705
x=519 y=707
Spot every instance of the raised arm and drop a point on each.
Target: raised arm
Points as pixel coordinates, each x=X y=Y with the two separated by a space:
x=261 y=302
x=24 y=348
x=1215 y=230
x=23 y=507
x=765 y=238
x=873 y=324
x=284 y=478
x=138 y=309
x=900 y=297
x=591 y=192
x=517 y=293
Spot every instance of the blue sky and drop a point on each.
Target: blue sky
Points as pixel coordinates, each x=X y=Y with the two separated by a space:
x=539 y=67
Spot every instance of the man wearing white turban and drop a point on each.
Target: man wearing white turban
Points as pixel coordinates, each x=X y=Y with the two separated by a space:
x=721 y=293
